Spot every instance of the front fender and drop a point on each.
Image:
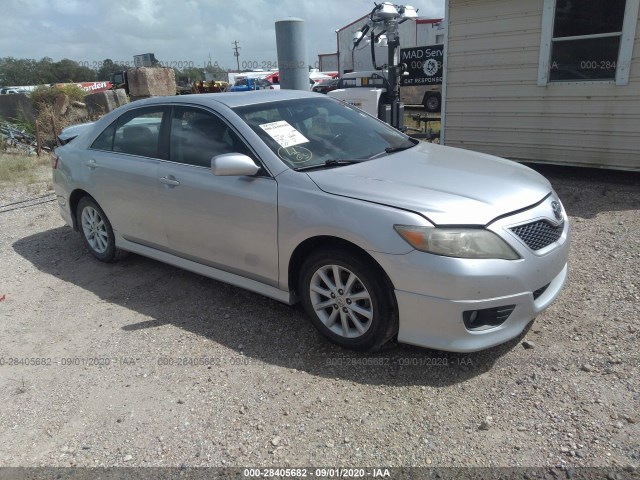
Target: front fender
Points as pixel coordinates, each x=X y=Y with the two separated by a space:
x=305 y=211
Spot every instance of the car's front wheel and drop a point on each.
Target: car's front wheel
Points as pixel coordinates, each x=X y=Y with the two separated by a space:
x=96 y=230
x=348 y=300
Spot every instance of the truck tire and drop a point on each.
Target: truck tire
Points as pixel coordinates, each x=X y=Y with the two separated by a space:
x=433 y=102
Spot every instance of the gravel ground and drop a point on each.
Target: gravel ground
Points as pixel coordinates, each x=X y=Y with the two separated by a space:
x=149 y=365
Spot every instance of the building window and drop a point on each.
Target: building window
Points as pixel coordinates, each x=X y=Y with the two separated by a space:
x=587 y=40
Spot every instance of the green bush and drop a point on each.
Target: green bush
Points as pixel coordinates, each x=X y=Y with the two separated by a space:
x=16 y=168
x=74 y=92
x=43 y=95
x=24 y=124
x=50 y=123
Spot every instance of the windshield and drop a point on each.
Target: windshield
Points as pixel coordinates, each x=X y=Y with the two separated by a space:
x=314 y=131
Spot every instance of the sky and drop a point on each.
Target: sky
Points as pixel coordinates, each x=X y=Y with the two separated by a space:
x=188 y=31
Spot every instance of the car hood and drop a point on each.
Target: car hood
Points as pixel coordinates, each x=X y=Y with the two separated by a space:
x=449 y=186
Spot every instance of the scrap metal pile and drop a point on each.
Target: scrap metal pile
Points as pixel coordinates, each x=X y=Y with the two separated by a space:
x=12 y=136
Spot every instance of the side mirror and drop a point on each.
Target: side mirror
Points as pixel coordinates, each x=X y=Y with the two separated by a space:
x=233 y=165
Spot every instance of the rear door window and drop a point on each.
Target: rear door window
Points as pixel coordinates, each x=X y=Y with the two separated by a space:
x=137 y=132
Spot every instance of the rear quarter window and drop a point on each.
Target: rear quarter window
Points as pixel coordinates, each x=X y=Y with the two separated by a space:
x=105 y=139
x=136 y=132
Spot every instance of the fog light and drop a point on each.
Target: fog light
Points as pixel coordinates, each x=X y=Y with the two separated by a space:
x=487 y=317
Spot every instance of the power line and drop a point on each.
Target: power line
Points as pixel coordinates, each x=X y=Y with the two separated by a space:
x=236 y=53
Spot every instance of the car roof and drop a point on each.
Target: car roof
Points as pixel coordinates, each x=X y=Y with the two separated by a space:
x=231 y=99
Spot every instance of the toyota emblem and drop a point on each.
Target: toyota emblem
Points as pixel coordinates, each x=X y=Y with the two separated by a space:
x=557 y=210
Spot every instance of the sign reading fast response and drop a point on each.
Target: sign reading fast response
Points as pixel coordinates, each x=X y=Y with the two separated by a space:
x=424 y=65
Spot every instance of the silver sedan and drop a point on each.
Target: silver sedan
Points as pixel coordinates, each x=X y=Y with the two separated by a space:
x=306 y=199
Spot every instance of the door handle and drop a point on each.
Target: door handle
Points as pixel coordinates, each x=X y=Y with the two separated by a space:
x=91 y=163
x=169 y=181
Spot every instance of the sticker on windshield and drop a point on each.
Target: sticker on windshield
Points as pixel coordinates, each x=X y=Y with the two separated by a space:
x=283 y=133
x=295 y=155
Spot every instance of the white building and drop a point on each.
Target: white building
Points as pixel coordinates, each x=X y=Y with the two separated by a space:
x=327 y=62
x=549 y=81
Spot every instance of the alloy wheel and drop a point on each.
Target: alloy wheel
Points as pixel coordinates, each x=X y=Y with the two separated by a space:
x=95 y=230
x=341 y=301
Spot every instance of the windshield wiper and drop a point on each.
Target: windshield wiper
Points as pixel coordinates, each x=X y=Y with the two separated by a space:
x=330 y=163
x=399 y=148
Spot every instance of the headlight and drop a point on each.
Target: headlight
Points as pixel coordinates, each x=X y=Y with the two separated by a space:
x=457 y=242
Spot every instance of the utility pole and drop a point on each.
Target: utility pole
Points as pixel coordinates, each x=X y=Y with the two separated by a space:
x=236 y=53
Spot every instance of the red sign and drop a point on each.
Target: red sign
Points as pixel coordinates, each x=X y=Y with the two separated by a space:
x=92 y=87
x=89 y=87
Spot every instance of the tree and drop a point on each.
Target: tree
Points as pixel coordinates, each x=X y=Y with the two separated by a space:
x=194 y=74
x=108 y=68
x=16 y=72
x=45 y=71
x=70 y=71
x=215 y=72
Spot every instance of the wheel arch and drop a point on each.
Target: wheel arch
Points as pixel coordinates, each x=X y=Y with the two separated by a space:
x=74 y=199
x=302 y=251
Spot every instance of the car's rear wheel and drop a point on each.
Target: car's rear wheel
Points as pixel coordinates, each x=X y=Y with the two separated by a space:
x=348 y=300
x=96 y=230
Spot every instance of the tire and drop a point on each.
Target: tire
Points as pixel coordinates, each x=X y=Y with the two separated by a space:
x=365 y=316
x=96 y=231
x=433 y=103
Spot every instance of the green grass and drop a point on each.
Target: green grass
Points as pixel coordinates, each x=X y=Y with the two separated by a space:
x=22 y=169
x=409 y=122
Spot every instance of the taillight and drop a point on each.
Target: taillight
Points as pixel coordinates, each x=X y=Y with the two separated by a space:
x=54 y=161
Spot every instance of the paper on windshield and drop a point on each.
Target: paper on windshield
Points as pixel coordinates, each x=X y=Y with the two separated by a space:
x=283 y=133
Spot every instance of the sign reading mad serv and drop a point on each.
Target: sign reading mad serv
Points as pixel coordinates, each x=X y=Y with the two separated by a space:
x=424 y=65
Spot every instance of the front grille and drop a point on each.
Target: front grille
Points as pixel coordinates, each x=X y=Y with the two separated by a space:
x=540 y=291
x=538 y=234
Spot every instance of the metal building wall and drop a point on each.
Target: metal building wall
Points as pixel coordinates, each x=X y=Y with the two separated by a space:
x=494 y=105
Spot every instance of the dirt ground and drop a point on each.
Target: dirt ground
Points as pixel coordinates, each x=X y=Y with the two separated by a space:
x=140 y=363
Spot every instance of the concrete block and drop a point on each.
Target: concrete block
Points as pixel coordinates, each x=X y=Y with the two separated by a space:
x=121 y=97
x=16 y=106
x=100 y=103
x=151 y=82
x=62 y=105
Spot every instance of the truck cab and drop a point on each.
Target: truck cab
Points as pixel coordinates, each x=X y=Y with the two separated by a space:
x=119 y=80
x=248 y=84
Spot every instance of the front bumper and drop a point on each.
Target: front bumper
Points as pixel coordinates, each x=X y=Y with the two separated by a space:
x=438 y=323
x=433 y=292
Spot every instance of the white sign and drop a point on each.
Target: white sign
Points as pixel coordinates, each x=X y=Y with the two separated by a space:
x=283 y=133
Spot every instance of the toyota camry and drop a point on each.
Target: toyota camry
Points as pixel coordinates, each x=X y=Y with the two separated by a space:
x=304 y=198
